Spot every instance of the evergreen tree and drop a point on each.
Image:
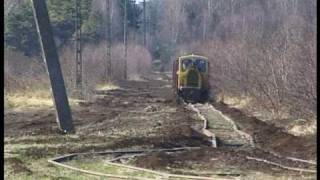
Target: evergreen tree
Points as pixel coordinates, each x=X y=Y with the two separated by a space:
x=62 y=16
x=133 y=13
x=20 y=30
x=93 y=29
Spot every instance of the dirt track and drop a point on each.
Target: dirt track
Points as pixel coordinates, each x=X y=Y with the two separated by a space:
x=144 y=114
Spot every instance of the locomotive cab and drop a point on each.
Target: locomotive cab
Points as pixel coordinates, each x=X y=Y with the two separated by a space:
x=190 y=78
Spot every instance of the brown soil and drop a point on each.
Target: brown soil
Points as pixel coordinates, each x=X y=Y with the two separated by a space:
x=272 y=138
x=143 y=114
x=217 y=158
x=17 y=166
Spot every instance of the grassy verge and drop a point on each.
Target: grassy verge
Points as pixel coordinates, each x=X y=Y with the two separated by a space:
x=105 y=87
x=26 y=157
x=37 y=99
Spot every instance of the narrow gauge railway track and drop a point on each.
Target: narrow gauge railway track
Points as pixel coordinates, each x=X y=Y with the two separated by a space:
x=225 y=132
x=58 y=161
x=209 y=115
x=220 y=127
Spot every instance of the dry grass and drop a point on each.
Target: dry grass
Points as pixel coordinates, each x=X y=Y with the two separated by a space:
x=236 y=102
x=27 y=84
x=37 y=99
x=304 y=129
x=105 y=87
x=263 y=176
x=296 y=127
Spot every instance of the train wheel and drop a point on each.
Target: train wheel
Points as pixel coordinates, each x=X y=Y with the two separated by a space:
x=178 y=100
x=178 y=97
x=205 y=96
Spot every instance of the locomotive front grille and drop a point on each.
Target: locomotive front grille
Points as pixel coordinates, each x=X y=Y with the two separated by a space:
x=192 y=78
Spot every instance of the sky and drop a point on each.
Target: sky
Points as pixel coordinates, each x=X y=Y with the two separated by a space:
x=138 y=1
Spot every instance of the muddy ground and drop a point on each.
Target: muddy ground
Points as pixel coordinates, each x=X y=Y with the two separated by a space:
x=144 y=114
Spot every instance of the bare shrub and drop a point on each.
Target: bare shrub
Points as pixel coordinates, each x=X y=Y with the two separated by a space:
x=261 y=50
x=28 y=74
x=22 y=73
x=281 y=82
x=139 y=61
x=95 y=62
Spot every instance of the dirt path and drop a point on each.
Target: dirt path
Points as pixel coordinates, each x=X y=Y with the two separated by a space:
x=143 y=114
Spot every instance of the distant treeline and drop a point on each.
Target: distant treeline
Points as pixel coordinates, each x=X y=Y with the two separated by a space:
x=262 y=49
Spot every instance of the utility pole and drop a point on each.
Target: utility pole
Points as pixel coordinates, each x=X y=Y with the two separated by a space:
x=144 y=24
x=125 y=21
x=51 y=58
x=133 y=2
x=78 y=48
x=108 y=61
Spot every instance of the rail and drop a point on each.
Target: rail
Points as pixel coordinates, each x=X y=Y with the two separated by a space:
x=59 y=160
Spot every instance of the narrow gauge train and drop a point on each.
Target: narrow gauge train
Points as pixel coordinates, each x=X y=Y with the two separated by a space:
x=190 y=77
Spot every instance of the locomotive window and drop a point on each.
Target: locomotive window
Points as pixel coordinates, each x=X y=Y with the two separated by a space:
x=200 y=64
x=187 y=63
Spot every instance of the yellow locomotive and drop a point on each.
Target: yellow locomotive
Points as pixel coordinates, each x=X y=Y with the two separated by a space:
x=190 y=77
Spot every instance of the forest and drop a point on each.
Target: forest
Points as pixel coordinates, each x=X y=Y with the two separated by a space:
x=160 y=89
x=262 y=53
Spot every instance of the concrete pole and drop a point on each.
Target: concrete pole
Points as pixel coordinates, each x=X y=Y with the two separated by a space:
x=144 y=24
x=108 y=69
x=79 y=62
x=125 y=21
x=51 y=58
